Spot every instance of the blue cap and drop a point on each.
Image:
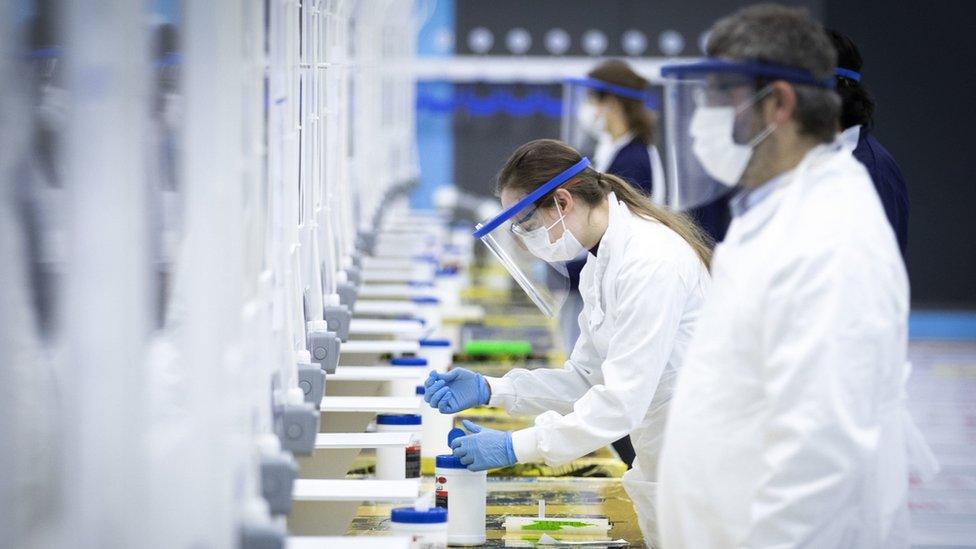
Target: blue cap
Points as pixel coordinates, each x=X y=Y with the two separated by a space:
x=455 y=433
x=446 y=271
x=398 y=419
x=420 y=321
x=413 y=516
x=435 y=343
x=408 y=361
x=448 y=461
x=421 y=390
x=425 y=300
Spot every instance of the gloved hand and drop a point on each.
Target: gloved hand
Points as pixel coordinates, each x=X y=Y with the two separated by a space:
x=484 y=448
x=456 y=390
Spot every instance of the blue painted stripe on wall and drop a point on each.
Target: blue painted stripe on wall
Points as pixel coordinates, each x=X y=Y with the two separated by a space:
x=950 y=325
x=435 y=138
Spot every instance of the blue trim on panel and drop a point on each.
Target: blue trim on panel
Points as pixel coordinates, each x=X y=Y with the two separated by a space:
x=945 y=325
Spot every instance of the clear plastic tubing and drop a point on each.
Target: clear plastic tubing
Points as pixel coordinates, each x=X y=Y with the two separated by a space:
x=398 y=463
x=427 y=528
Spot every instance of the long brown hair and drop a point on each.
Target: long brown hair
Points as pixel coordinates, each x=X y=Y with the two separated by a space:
x=640 y=120
x=537 y=162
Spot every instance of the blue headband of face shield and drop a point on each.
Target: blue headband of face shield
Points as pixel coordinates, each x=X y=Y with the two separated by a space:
x=711 y=65
x=848 y=73
x=628 y=93
x=530 y=198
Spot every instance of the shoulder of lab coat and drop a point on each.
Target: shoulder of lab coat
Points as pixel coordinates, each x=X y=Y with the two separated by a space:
x=648 y=272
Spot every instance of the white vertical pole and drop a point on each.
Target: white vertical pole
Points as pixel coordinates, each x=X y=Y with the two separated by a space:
x=108 y=278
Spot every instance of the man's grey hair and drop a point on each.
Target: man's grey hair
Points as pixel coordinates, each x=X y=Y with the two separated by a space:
x=780 y=35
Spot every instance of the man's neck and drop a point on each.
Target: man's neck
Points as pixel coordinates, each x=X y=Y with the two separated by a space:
x=776 y=163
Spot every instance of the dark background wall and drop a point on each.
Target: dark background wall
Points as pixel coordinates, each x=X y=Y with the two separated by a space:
x=920 y=63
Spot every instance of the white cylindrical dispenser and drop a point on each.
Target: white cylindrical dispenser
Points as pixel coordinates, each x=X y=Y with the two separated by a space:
x=462 y=493
x=399 y=463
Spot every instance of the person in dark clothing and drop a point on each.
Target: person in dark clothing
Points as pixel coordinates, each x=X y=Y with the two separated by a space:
x=856 y=123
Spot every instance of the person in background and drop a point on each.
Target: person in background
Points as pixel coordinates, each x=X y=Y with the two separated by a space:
x=645 y=280
x=788 y=425
x=617 y=116
x=856 y=123
x=624 y=127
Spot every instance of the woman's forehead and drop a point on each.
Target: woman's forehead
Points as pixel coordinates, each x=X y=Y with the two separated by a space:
x=510 y=196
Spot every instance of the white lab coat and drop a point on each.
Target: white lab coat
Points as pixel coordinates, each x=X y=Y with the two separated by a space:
x=641 y=298
x=787 y=427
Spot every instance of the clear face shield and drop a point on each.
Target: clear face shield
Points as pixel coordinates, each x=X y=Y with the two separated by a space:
x=711 y=126
x=584 y=118
x=511 y=235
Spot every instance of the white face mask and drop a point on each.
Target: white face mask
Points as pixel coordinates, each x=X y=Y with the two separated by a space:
x=591 y=119
x=712 y=142
x=564 y=249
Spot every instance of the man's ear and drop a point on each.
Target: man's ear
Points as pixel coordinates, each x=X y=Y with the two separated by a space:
x=780 y=105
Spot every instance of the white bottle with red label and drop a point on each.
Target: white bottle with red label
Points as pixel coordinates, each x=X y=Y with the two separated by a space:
x=462 y=493
x=396 y=463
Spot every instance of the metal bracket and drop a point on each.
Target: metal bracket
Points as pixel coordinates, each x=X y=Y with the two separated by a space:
x=278 y=473
x=297 y=428
x=348 y=292
x=262 y=536
x=337 y=318
x=324 y=346
x=366 y=242
x=311 y=380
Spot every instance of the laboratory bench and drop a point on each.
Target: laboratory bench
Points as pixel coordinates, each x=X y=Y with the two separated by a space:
x=519 y=496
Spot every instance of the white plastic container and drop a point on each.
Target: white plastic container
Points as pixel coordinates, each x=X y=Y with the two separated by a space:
x=438 y=352
x=462 y=494
x=436 y=427
x=399 y=463
x=429 y=310
x=447 y=283
x=426 y=528
x=408 y=387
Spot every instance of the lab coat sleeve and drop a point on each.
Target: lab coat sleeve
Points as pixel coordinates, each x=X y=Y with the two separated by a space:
x=826 y=331
x=532 y=392
x=650 y=298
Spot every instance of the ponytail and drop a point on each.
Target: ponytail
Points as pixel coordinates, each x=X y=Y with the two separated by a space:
x=639 y=204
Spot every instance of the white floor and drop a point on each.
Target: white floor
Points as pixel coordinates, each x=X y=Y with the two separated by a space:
x=942 y=399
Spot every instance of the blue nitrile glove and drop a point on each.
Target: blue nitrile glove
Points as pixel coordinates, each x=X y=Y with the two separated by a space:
x=484 y=448
x=456 y=390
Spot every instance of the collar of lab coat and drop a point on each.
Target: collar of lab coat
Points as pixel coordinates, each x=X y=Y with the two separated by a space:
x=849 y=137
x=613 y=238
x=752 y=220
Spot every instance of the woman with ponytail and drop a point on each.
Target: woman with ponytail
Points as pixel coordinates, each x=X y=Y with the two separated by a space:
x=643 y=286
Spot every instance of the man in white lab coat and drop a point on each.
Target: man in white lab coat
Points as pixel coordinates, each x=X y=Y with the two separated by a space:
x=787 y=424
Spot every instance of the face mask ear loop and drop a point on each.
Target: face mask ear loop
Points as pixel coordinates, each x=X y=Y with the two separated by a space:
x=562 y=218
x=762 y=135
x=760 y=95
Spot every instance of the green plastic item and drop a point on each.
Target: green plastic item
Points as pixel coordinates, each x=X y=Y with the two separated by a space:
x=554 y=525
x=498 y=348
